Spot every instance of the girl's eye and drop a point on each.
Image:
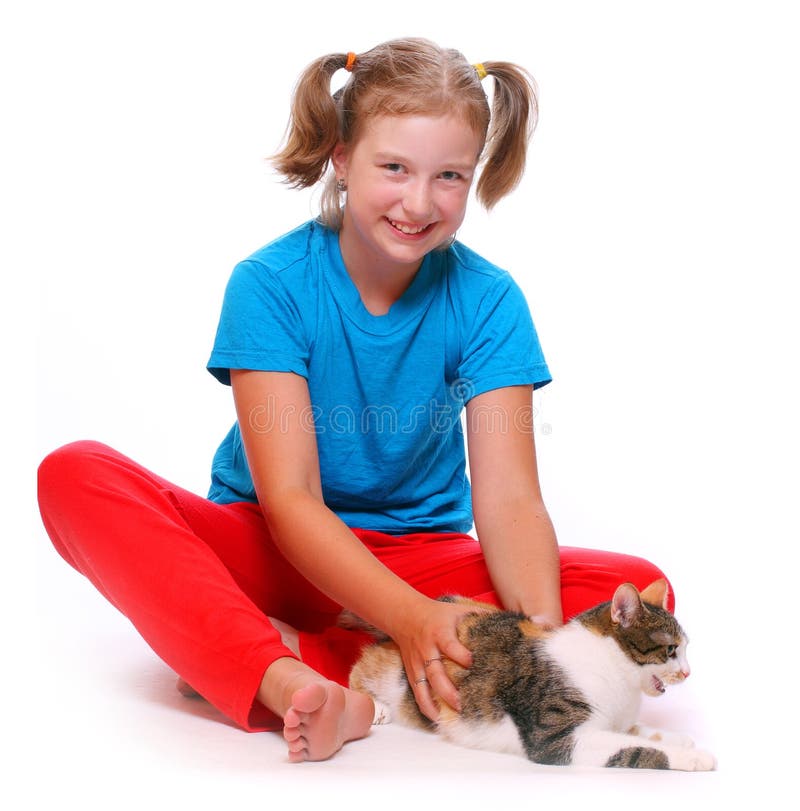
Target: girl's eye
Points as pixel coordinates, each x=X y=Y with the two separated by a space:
x=672 y=651
x=450 y=175
x=394 y=168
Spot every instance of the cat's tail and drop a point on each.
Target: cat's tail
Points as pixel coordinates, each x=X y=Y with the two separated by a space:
x=352 y=622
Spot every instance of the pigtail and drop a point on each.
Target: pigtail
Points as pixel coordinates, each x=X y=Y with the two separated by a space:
x=313 y=129
x=515 y=111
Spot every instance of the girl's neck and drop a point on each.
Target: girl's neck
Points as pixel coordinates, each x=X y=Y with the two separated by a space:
x=379 y=283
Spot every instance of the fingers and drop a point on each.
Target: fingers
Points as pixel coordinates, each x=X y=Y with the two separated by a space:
x=432 y=682
x=424 y=696
x=424 y=652
x=455 y=650
x=439 y=683
x=429 y=682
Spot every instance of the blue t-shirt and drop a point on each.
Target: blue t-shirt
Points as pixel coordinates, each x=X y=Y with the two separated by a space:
x=387 y=391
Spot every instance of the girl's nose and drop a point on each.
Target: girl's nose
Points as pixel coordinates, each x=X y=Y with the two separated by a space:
x=418 y=202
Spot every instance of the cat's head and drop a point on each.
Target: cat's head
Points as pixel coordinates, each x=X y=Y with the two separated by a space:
x=647 y=633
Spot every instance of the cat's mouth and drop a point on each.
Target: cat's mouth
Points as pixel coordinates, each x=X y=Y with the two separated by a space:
x=658 y=685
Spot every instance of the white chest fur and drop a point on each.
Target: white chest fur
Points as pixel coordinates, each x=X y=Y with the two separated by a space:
x=595 y=664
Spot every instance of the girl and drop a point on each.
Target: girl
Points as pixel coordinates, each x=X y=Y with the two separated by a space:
x=352 y=346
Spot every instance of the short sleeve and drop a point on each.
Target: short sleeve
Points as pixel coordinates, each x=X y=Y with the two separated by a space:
x=502 y=347
x=260 y=326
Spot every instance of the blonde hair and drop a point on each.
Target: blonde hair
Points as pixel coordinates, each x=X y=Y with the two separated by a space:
x=407 y=77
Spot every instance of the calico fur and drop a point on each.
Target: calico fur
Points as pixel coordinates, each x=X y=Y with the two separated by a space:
x=565 y=696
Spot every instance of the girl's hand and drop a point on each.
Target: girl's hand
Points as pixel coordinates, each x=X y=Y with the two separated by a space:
x=426 y=638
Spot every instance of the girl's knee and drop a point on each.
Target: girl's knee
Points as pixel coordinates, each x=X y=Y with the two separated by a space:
x=67 y=475
x=81 y=490
x=590 y=576
x=58 y=476
x=61 y=465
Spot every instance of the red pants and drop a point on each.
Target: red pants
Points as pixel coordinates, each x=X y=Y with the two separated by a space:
x=199 y=580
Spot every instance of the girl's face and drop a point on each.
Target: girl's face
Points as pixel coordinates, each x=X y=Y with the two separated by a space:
x=408 y=180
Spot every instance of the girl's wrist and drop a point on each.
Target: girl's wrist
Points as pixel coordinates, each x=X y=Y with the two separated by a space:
x=409 y=611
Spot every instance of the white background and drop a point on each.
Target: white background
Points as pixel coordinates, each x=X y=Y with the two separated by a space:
x=655 y=235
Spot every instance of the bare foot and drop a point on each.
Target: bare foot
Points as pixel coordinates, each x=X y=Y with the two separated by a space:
x=322 y=718
x=319 y=716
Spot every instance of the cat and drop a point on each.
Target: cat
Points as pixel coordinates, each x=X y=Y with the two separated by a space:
x=569 y=695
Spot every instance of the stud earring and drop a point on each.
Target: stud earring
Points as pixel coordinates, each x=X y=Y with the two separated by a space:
x=341 y=185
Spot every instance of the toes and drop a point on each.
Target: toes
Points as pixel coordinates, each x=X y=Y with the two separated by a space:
x=297 y=749
x=292 y=718
x=309 y=698
x=300 y=746
x=322 y=717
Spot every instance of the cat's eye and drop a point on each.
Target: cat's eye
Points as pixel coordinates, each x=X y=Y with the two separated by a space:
x=672 y=651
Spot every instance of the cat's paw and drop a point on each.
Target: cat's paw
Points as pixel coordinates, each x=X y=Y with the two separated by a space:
x=692 y=760
x=382 y=715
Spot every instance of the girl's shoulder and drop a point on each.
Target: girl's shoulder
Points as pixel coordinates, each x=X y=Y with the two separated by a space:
x=472 y=278
x=289 y=266
x=469 y=260
x=288 y=250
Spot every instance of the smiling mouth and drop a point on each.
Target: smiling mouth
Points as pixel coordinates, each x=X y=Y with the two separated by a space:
x=408 y=230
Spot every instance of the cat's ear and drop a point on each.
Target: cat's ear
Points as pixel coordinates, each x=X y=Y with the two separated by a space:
x=626 y=605
x=657 y=593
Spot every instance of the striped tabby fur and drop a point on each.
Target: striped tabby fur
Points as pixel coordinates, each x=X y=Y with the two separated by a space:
x=566 y=696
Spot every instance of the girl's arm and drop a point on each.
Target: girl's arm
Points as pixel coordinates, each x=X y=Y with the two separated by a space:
x=513 y=526
x=274 y=413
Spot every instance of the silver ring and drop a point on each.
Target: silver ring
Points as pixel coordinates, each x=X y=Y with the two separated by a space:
x=431 y=661
x=419 y=681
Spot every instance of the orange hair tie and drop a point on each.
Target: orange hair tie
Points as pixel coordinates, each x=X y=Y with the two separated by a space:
x=351 y=60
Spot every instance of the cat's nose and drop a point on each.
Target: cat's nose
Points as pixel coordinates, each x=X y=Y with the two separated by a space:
x=685 y=672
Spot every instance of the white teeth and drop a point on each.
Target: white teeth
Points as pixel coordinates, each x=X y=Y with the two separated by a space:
x=408 y=229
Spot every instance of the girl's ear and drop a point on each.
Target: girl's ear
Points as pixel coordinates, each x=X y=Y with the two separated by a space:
x=339 y=159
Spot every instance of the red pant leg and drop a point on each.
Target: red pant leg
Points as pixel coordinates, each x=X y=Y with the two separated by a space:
x=590 y=576
x=196 y=578
x=437 y=564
